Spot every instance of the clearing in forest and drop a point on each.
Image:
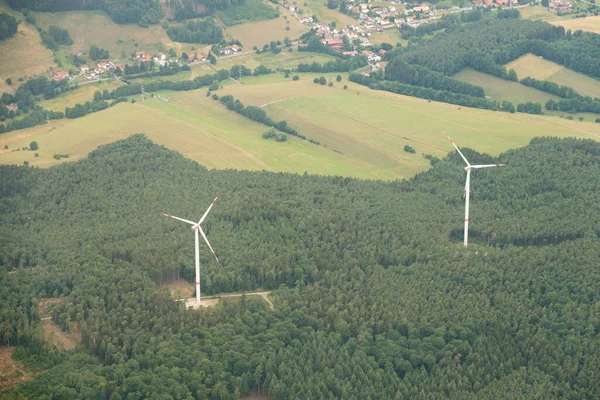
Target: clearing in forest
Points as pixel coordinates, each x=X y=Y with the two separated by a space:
x=362 y=132
x=59 y=339
x=23 y=54
x=11 y=371
x=502 y=89
x=539 y=68
x=178 y=289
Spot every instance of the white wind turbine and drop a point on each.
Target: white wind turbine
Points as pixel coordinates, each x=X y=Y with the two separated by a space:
x=196 y=227
x=468 y=185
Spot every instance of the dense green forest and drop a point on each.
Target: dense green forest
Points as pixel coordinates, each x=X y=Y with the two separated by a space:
x=375 y=297
x=142 y=12
x=424 y=68
x=8 y=26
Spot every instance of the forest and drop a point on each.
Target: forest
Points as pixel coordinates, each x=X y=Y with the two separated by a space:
x=141 y=12
x=486 y=45
x=8 y=26
x=207 y=32
x=374 y=294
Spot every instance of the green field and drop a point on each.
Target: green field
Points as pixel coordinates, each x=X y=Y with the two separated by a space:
x=259 y=33
x=362 y=132
x=538 y=68
x=23 y=55
x=80 y=95
x=250 y=10
x=501 y=89
x=324 y=14
x=283 y=60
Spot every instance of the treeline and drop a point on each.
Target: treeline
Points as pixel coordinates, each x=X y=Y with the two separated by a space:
x=97 y=53
x=8 y=26
x=140 y=71
x=38 y=116
x=99 y=104
x=259 y=115
x=312 y=43
x=206 y=32
x=184 y=9
x=28 y=93
x=432 y=94
x=514 y=316
x=335 y=66
x=417 y=75
x=573 y=103
x=447 y=21
x=142 y=12
x=55 y=37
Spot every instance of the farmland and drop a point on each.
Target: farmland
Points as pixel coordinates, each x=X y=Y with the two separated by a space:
x=283 y=60
x=317 y=8
x=80 y=95
x=501 y=89
x=538 y=68
x=258 y=33
x=362 y=132
x=23 y=54
x=590 y=24
x=95 y=27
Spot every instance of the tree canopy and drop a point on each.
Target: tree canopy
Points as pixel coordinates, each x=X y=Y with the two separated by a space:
x=374 y=295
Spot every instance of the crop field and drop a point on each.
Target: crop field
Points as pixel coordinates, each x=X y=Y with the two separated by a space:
x=259 y=33
x=501 y=89
x=362 y=132
x=538 y=68
x=539 y=13
x=23 y=54
x=80 y=95
x=590 y=24
x=95 y=27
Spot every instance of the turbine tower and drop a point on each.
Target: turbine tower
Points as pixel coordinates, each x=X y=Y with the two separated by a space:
x=468 y=185
x=196 y=227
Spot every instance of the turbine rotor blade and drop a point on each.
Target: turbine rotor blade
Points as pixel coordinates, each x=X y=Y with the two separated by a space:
x=459 y=152
x=207 y=211
x=209 y=246
x=489 y=165
x=180 y=219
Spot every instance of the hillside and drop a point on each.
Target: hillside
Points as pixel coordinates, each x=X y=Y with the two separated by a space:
x=515 y=315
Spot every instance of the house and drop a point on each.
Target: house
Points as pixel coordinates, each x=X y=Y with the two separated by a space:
x=84 y=68
x=382 y=52
x=561 y=5
x=335 y=43
x=120 y=66
x=13 y=107
x=61 y=75
x=350 y=53
x=230 y=50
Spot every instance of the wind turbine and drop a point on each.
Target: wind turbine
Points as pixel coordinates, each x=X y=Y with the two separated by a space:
x=468 y=185
x=196 y=227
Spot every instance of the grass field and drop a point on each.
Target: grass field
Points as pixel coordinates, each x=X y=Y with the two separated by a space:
x=539 y=13
x=501 y=89
x=95 y=27
x=23 y=54
x=260 y=33
x=80 y=95
x=538 y=68
x=250 y=10
x=324 y=14
x=362 y=132
x=283 y=60
x=590 y=24
x=391 y=36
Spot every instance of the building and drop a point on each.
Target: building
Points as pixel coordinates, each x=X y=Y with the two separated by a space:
x=230 y=50
x=84 y=68
x=61 y=75
x=13 y=107
x=561 y=5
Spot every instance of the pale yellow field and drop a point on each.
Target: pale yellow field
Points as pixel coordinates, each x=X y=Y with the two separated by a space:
x=362 y=132
x=538 y=13
x=259 y=33
x=95 y=27
x=80 y=95
x=538 y=68
x=324 y=14
x=391 y=36
x=23 y=55
x=590 y=24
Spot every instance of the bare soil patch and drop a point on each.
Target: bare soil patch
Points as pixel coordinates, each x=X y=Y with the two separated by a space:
x=11 y=371
x=178 y=289
x=59 y=339
x=45 y=305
